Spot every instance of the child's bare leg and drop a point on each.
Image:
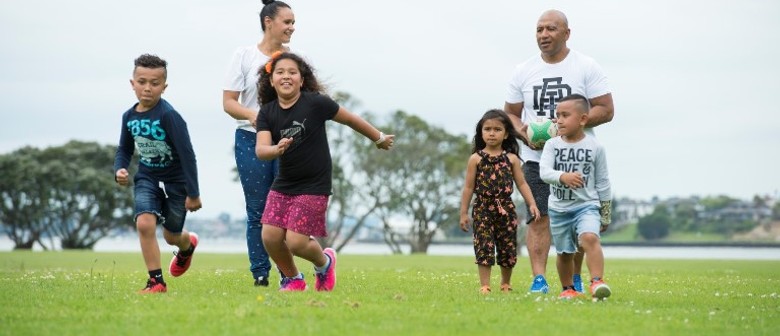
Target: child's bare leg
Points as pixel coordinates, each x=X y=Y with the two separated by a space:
x=594 y=254
x=146 y=224
x=565 y=264
x=578 y=258
x=180 y=240
x=275 y=245
x=538 y=242
x=303 y=246
x=484 y=274
x=506 y=275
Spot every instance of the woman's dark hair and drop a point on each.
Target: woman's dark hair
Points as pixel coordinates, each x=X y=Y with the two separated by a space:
x=267 y=93
x=270 y=9
x=510 y=143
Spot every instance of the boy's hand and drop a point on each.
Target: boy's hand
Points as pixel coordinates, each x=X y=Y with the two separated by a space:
x=388 y=143
x=122 y=177
x=193 y=204
x=572 y=180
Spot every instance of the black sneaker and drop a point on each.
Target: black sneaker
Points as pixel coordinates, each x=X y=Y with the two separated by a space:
x=261 y=281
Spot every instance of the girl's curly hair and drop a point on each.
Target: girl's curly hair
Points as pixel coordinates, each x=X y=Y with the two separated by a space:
x=267 y=93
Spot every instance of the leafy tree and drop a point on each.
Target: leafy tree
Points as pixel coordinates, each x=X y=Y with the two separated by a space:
x=655 y=225
x=348 y=210
x=685 y=217
x=23 y=195
x=85 y=201
x=420 y=178
x=717 y=202
x=70 y=193
x=776 y=211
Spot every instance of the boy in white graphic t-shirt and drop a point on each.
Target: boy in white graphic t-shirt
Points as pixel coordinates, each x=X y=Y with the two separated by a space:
x=580 y=201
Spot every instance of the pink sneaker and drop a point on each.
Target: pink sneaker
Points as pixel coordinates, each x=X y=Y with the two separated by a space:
x=293 y=285
x=180 y=264
x=326 y=281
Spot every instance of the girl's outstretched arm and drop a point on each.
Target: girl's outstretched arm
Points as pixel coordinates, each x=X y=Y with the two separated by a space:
x=265 y=151
x=383 y=141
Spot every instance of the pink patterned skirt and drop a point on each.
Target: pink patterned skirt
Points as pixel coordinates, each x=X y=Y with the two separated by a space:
x=304 y=214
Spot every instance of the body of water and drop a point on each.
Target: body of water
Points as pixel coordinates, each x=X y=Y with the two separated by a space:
x=233 y=245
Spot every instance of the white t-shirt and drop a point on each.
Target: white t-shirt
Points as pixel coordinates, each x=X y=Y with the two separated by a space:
x=540 y=85
x=242 y=76
x=586 y=156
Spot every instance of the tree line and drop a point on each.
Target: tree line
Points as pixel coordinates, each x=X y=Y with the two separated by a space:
x=68 y=191
x=65 y=192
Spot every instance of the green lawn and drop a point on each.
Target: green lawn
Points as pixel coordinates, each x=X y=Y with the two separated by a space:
x=87 y=293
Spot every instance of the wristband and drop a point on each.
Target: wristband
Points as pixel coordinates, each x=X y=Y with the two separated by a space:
x=382 y=138
x=605 y=210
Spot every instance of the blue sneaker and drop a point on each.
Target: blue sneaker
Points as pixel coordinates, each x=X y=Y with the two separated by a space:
x=578 y=284
x=539 y=285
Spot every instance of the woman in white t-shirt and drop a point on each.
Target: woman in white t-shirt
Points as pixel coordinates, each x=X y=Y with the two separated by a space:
x=240 y=101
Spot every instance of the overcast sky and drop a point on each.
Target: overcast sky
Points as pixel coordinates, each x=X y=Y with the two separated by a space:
x=694 y=82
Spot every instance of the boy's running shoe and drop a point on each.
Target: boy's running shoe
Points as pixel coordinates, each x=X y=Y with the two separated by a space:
x=261 y=281
x=293 y=284
x=180 y=264
x=600 y=290
x=539 y=285
x=578 y=284
x=152 y=286
x=327 y=281
x=484 y=290
x=506 y=288
x=568 y=294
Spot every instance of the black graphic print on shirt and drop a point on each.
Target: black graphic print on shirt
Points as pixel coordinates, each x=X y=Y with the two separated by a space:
x=572 y=160
x=547 y=95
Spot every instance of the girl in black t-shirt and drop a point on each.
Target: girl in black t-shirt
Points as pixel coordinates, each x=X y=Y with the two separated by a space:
x=291 y=127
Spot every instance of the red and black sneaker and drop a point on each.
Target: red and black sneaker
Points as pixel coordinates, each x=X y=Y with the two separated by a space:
x=152 y=286
x=179 y=263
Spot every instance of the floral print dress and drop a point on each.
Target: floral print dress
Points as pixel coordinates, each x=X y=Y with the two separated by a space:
x=494 y=214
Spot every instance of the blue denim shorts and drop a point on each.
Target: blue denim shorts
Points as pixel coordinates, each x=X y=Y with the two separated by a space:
x=566 y=227
x=164 y=200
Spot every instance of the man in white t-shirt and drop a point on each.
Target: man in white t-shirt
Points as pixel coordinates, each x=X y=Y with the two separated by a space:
x=534 y=90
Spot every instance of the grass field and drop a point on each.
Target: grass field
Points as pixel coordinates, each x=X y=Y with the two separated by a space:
x=88 y=293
